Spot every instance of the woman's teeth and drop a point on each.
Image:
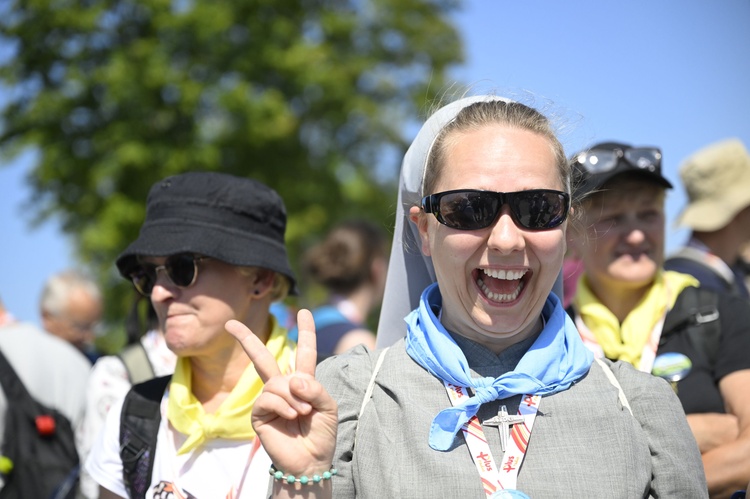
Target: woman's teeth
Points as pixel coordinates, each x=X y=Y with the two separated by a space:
x=510 y=275
x=505 y=275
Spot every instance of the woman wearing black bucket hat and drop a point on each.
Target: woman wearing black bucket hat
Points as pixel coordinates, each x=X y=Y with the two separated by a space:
x=211 y=249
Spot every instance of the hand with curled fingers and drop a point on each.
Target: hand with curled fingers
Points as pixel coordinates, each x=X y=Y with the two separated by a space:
x=295 y=417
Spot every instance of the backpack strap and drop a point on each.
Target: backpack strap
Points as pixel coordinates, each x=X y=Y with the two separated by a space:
x=139 y=426
x=14 y=389
x=136 y=362
x=696 y=310
x=690 y=254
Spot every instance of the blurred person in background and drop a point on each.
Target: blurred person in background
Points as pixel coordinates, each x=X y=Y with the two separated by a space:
x=71 y=309
x=53 y=371
x=350 y=263
x=717 y=180
x=211 y=249
x=628 y=308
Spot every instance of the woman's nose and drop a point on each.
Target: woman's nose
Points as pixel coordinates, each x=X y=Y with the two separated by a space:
x=635 y=235
x=505 y=236
x=163 y=287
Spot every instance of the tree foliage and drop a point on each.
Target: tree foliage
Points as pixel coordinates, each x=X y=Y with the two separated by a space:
x=308 y=96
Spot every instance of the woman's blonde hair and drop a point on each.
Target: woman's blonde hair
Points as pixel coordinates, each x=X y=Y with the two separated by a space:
x=494 y=112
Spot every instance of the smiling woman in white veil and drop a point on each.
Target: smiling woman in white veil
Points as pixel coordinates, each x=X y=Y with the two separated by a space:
x=409 y=270
x=491 y=393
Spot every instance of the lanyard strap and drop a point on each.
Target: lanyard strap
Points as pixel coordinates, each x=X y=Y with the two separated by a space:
x=496 y=478
x=648 y=354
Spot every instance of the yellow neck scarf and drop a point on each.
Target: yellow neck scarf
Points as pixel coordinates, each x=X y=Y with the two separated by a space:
x=626 y=341
x=232 y=418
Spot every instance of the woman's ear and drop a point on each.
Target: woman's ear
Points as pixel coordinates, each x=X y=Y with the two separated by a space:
x=262 y=281
x=419 y=218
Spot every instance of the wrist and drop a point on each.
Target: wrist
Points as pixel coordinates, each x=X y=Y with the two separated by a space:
x=283 y=490
x=302 y=479
x=316 y=484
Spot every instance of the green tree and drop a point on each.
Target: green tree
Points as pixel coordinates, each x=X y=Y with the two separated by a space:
x=311 y=97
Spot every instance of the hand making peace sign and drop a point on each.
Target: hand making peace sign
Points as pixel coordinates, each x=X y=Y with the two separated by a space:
x=294 y=417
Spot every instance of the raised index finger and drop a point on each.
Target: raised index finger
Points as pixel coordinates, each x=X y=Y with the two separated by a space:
x=307 y=350
x=263 y=360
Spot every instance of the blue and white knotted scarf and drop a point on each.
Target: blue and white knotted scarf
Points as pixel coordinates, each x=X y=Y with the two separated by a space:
x=554 y=361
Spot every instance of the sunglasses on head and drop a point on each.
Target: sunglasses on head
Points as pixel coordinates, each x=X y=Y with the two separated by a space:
x=181 y=269
x=604 y=160
x=470 y=209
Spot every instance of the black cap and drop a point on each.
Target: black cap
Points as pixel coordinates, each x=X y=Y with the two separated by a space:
x=612 y=159
x=237 y=220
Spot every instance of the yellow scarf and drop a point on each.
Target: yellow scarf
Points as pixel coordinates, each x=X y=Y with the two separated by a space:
x=232 y=418
x=626 y=341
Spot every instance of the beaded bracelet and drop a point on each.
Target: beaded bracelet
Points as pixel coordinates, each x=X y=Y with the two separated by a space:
x=302 y=480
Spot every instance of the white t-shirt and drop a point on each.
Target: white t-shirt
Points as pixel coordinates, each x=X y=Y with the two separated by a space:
x=220 y=468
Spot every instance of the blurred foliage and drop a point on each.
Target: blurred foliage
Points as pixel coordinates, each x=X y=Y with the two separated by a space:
x=311 y=97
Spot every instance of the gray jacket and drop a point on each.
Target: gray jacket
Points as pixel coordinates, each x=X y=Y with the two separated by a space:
x=584 y=444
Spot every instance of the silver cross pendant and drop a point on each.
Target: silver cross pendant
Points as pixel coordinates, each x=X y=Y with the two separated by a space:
x=503 y=421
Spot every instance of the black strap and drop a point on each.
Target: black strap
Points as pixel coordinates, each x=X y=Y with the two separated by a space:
x=696 y=310
x=692 y=255
x=137 y=363
x=14 y=389
x=139 y=427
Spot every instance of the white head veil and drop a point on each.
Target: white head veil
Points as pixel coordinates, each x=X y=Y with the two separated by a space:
x=410 y=271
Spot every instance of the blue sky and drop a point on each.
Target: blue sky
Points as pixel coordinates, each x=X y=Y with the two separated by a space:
x=675 y=74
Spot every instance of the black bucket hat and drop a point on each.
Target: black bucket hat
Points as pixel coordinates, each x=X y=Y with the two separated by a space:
x=594 y=167
x=237 y=220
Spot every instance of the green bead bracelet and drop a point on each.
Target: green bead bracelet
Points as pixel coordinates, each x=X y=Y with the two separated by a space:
x=302 y=480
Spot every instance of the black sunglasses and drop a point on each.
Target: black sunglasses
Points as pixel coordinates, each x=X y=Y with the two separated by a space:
x=181 y=269
x=604 y=160
x=469 y=209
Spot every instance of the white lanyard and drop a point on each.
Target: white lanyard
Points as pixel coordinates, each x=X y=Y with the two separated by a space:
x=514 y=433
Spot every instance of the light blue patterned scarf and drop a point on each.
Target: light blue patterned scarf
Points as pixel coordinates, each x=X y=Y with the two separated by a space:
x=554 y=361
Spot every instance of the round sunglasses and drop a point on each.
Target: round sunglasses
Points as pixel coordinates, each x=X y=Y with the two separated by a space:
x=181 y=269
x=470 y=209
